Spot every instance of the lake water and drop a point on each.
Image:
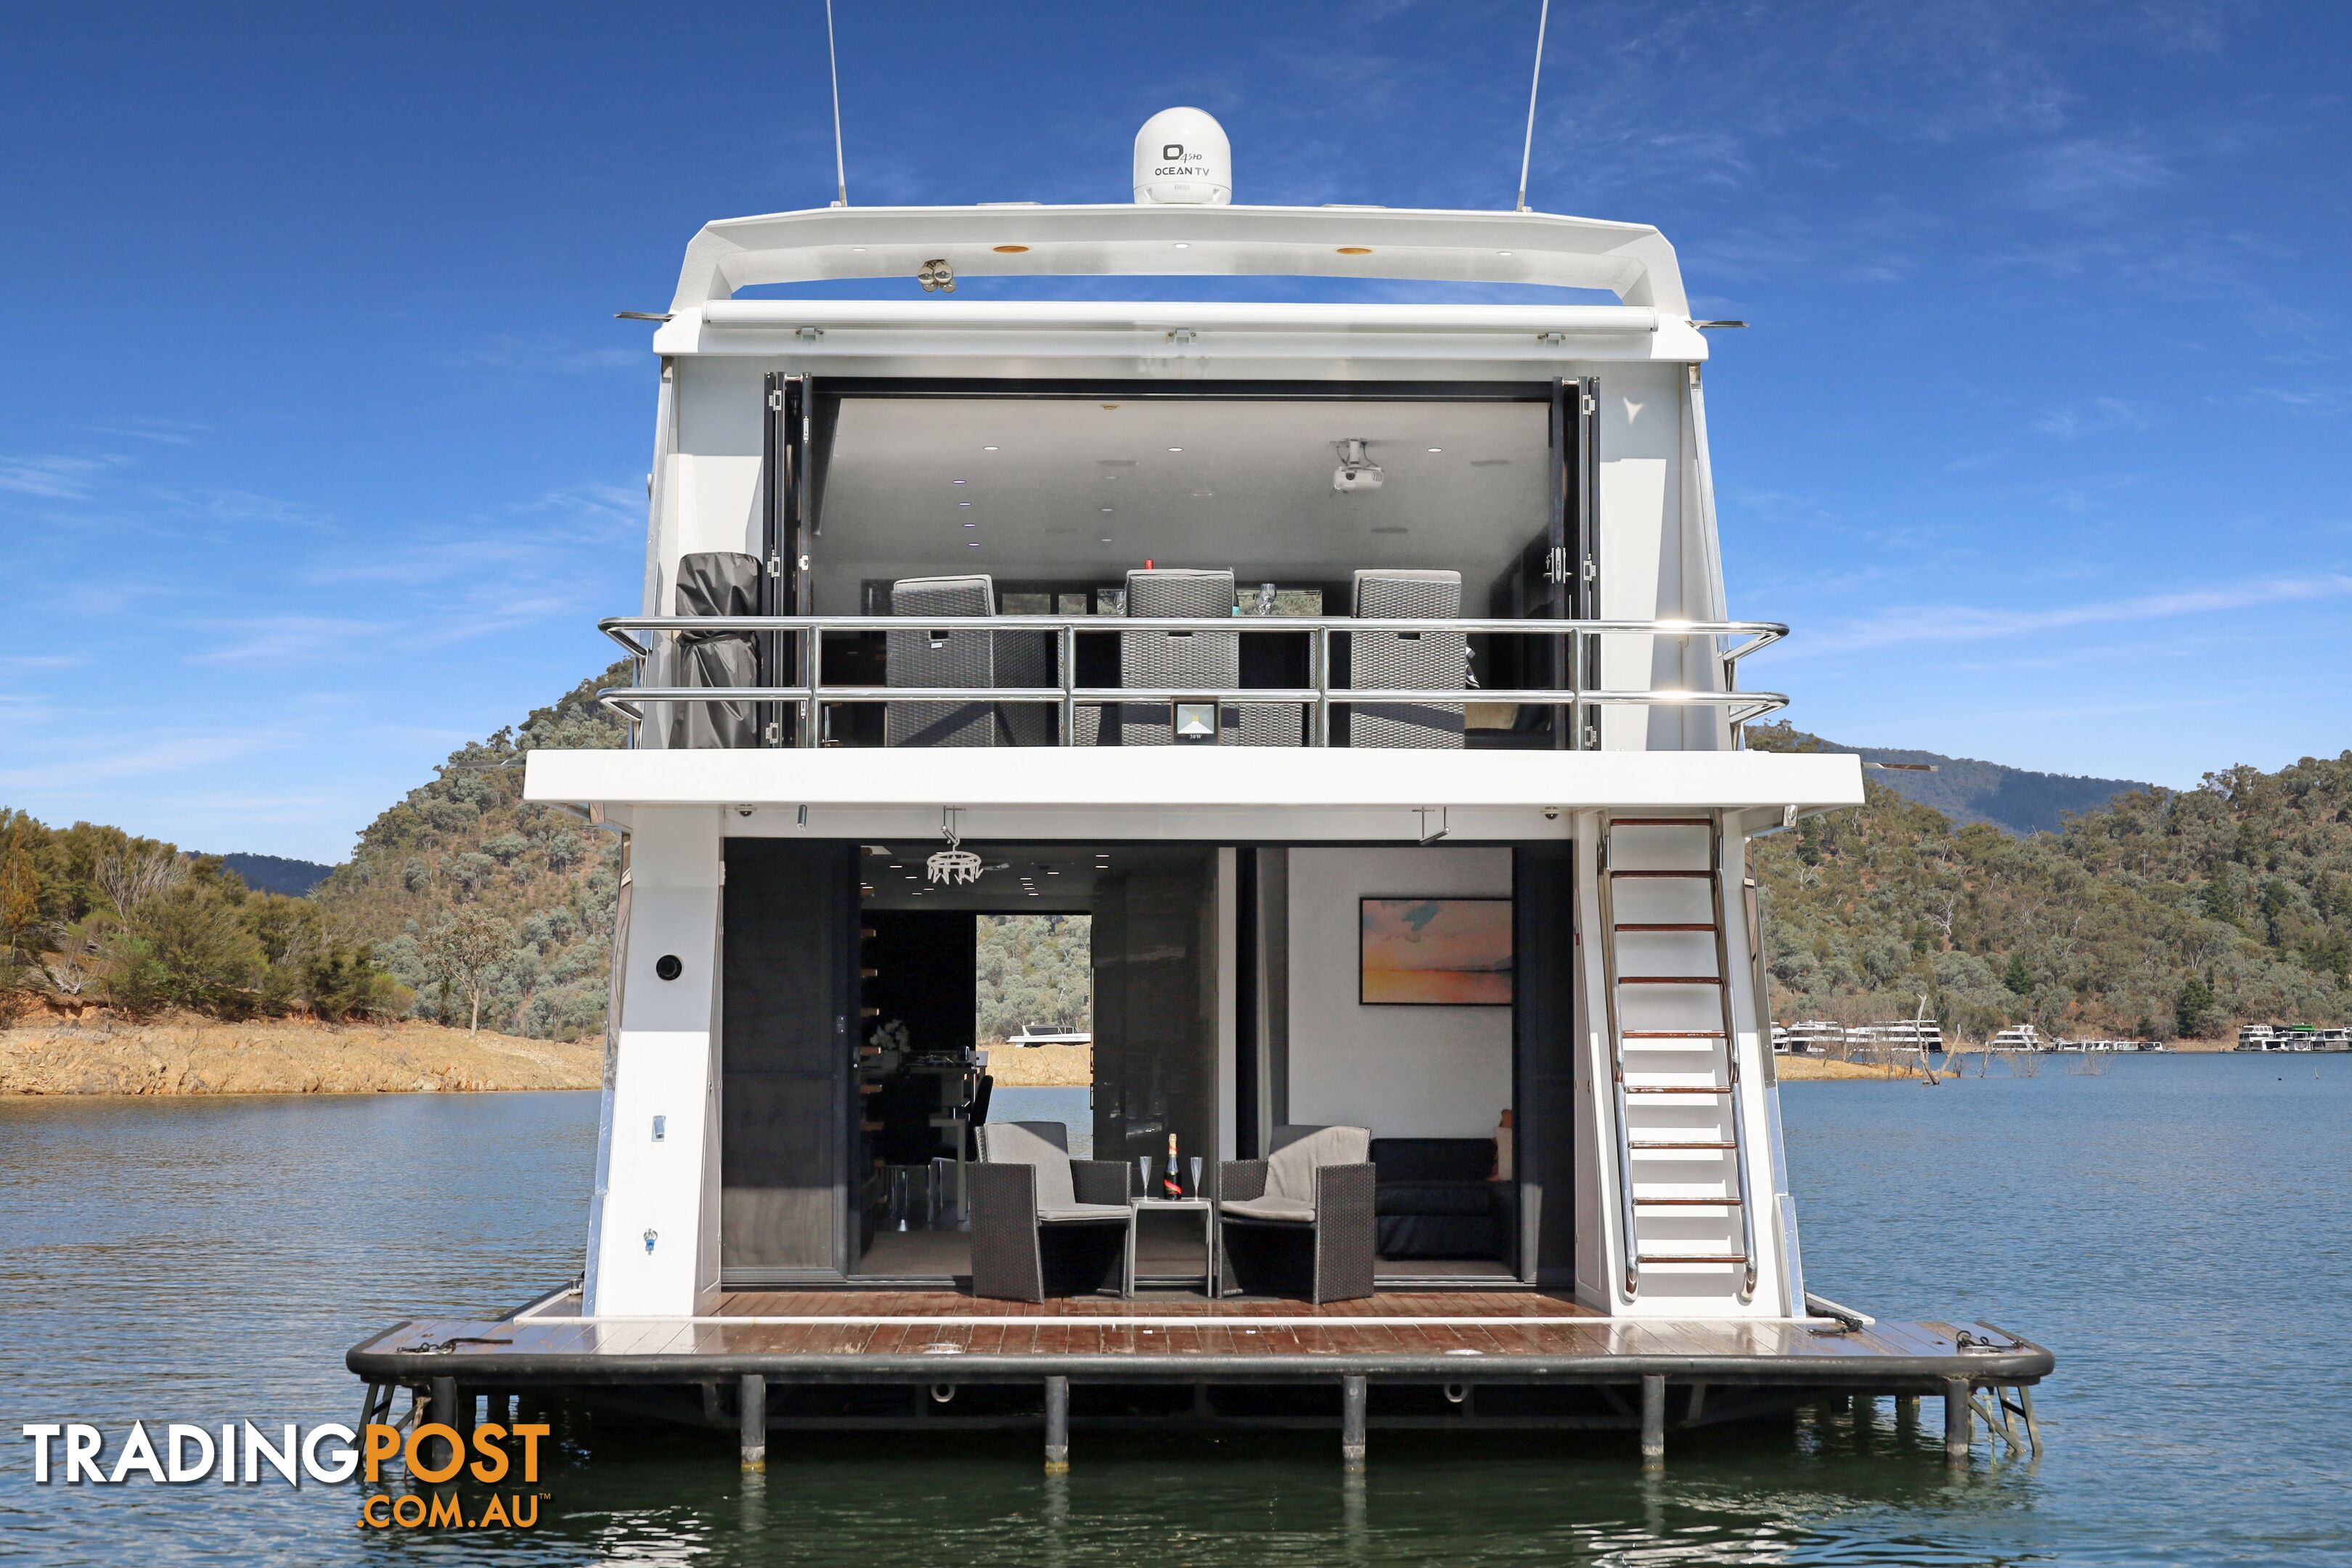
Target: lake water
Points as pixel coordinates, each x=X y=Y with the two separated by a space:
x=2175 y=1228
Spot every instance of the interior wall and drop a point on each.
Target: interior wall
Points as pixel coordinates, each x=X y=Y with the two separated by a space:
x=1430 y=1072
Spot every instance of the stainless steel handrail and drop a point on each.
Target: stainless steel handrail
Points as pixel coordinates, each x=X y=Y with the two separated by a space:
x=809 y=631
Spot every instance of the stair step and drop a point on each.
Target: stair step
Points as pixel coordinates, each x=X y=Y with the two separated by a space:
x=1693 y=1143
x=1671 y=1034
x=1655 y=925
x=1686 y=1203
x=1671 y=1089
x=1702 y=875
x=1690 y=1257
x=1670 y=980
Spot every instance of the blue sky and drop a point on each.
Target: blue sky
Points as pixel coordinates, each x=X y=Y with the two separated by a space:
x=320 y=451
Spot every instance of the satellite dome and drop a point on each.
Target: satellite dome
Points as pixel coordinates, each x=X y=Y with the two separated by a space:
x=1182 y=159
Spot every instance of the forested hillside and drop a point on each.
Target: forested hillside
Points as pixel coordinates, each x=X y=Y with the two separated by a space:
x=465 y=887
x=2018 y=801
x=2166 y=913
x=1034 y=969
x=2170 y=912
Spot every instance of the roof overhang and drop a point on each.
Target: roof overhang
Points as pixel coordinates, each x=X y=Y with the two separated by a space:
x=1211 y=795
x=1633 y=261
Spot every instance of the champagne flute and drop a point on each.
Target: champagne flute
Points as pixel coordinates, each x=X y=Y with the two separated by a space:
x=1196 y=1176
x=1143 y=1169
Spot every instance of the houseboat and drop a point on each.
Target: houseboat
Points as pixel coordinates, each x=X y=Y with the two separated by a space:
x=1364 y=672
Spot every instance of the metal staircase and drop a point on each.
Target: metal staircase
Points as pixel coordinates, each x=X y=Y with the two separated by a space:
x=1674 y=1060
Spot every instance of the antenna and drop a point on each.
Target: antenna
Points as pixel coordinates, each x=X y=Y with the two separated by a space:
x=832 y=65
x=1526 y=149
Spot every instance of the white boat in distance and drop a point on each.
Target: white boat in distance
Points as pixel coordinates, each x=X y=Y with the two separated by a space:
x=1031 y=1034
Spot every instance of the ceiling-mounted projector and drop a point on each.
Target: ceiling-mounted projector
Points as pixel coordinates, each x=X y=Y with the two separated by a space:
x=1356 y=471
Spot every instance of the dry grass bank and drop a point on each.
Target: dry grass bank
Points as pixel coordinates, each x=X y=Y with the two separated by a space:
x=282 y=1056
x=1825 y=1069
x=1041 y=1067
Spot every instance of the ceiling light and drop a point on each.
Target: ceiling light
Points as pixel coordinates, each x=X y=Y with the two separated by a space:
x=1433 y=449
x=1103 y=540
x=969 y=523
x=972 y=545
x=1183 y=244
x=955 y=481
x=1502 y=253
x=963 y=502
x=1106 y=512
x=984 y=449
x=1175 y=448
x=1355 y=249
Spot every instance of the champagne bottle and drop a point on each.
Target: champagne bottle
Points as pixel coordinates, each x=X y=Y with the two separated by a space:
x=1170 y=1186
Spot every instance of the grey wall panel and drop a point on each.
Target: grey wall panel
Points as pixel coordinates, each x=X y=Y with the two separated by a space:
x=791 y=912
x=1543 y=1060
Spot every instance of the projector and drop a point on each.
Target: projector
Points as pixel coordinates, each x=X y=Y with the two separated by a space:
x=1356 y=471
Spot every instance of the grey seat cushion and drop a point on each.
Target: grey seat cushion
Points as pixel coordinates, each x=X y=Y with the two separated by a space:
x=1290 y=1168
x=1269 y=1208
x=1022 y=1143
x=1069 y=1212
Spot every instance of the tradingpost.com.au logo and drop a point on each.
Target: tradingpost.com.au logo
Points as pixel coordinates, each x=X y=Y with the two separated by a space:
x=75 y=1452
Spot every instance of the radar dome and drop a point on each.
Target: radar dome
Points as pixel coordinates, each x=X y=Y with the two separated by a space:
x=1182 y=159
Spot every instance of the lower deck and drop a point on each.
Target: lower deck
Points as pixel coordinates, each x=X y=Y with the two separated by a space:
x=937 y=1338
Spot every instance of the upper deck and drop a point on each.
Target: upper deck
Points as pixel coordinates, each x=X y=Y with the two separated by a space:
x=1447 y=525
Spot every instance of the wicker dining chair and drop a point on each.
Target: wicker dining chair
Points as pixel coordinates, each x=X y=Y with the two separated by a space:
x=1041 y=1221
x=1309 y=1202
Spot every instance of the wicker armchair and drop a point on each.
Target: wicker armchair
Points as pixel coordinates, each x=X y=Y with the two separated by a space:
x=1042 y=1221
x=1310 y=1203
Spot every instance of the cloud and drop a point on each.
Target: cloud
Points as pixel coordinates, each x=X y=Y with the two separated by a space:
x=544 y=355
x=55 y=477
x=215 y=503
x=2096 y=418
x=2089 y=170
x=289 y=639
x=168 y=432
x=1972 y=623
x=2303 y=400
x=67 y=768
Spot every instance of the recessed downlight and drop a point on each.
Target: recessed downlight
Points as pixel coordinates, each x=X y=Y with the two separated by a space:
x=988 y=449
x=1175 y=448
x=1437 y=448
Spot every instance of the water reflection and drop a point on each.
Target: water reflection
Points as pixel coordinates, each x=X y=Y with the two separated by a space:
x=210 y=1260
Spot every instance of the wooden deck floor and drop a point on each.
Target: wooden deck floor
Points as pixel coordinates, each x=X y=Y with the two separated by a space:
x=877 y=1335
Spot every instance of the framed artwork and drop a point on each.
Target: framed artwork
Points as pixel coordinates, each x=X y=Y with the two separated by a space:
x=1434 y=953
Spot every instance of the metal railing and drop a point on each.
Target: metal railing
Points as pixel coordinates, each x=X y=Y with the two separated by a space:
x=810 y=694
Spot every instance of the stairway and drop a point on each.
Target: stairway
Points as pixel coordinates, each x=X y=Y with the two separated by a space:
x=1682 y=1177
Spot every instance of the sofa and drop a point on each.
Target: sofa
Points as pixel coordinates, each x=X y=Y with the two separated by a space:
x=1436 y=1197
